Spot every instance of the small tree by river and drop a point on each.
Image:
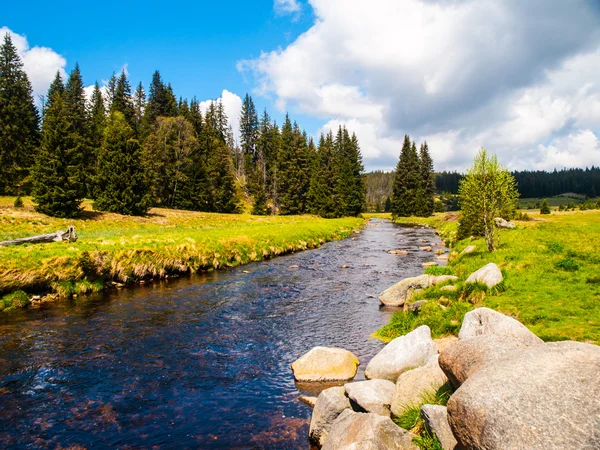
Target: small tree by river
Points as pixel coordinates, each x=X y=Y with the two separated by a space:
x=486 y=192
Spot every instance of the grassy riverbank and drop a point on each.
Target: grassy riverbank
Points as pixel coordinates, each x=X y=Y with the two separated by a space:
x=551 y=267
x=127 y=249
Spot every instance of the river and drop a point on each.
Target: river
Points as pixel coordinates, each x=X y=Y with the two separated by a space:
x=201 y=362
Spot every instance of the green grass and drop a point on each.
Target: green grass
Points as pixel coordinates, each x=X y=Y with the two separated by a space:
x=127 y=249
x=551 y=284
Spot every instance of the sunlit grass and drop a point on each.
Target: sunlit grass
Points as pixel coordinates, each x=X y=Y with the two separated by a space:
x=128 y=249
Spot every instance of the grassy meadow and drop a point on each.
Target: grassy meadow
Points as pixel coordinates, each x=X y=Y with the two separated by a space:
x=551 y=267
x=126 y=249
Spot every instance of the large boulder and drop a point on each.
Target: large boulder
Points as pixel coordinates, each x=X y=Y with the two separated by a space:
x=372 y=396
x=362 y=431
x=401 y=292
x=436 y=421
x=490 y=275
x=403 y=353
x=467 y=356
x=485 y=321
x=414 y=384
x=326 y=364
x=329 y=405
x=540 y=397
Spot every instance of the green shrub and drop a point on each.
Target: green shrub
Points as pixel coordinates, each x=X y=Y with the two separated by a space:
x=567 y=264
x=522 y=216
x=18 y=202
x=17 y=299
x=555 y=247
x=64 y=289
x=544 y=208
x=595 y=279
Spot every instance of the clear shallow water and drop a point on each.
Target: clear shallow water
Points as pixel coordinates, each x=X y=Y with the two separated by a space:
x=202 y=362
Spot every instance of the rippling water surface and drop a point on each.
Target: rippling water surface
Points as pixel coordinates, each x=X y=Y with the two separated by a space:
x=201 y=362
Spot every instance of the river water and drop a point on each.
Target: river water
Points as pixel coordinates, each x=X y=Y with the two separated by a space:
x=202 y=362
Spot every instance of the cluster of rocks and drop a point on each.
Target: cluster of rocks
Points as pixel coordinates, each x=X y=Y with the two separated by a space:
x=512 y=390
x=400 y=293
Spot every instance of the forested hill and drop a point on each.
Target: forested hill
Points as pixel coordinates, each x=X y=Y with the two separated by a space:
x=531 y=184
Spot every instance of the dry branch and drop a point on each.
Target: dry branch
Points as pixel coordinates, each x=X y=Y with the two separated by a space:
x=70 y=236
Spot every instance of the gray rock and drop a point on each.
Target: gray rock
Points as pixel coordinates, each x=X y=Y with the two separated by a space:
x=436 y=421
x=403 y=353
x=416 y=306
x=426 y=248
x=401 y=292
x=443 y=279
x=468 y=356
x=540 y=397
x=485 y=321
x=490 y=275
x=414 y=384
x=326 y=364
x=329 y=405
x=501 y=223
x=398 y=252
x=362 y=431
x=372 y=396
x=469 y=249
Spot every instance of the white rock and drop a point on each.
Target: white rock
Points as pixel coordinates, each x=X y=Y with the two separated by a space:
x=485 y=321
x=490 y=275
x=401 y=292
x=372 y=396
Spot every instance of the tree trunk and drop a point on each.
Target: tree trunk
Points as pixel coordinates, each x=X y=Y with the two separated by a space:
x=69 y=235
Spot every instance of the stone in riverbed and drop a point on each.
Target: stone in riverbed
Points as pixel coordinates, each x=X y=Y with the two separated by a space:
x=402 y=354
x=426 y=248
x=362 y=431
x=490 y=275
x=326 y=364
x=436 y=421
x=310 y=401
x=540 y=397
x=398 y=252
x=429 y=264
x=414 y=384
x=401 y=292
x=485 y=321
x=372 y=396
x=329 y=405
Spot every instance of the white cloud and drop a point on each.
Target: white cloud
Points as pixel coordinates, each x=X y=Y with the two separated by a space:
x=232 y=103
x=461 y=74
x=40 y=63
x=287 y=7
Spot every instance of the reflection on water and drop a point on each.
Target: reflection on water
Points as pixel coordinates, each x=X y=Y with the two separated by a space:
x=202 y=362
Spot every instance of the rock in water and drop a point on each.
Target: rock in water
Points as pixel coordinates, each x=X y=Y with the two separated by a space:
x=414 y=384
x=436 y=421
x=326 y=364
x=372 y=396
x=401 y=292
x=329 y=405
x=467 y=356
x=354 y=431
x=485 y=321
x=310 y=401
x=490 y=275
x=540 y=397
x=403 y=353
x=398 y=252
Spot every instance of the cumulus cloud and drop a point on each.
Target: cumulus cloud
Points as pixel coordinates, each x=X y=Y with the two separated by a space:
x=520 y=78
x=232 y=103
x=40 y=63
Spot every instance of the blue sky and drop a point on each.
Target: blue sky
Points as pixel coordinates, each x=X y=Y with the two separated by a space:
x=521 y=78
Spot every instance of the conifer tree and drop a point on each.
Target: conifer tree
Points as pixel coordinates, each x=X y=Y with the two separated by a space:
x=97 y=119
x=426 y=192
x=195 y=116
x=123 y=100
x=57 y=189
x=248 y=136
x=161 y=102
x=294 y=169
x=407 y=181
x=19 y=120
x=120 y=177
x=111 y=91
x=139 y=104
x=322 y=181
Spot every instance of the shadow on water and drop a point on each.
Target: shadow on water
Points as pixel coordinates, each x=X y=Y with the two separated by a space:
x=202 y=362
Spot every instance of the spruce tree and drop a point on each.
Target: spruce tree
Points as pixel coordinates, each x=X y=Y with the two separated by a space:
x=57 y=189
x=120 y=177
x=97 y=120
x=19 y=121
x=123 y=100
x=249 y=135
x=294 y=169
x=161 y=102
x=139 y=104
x=319 y=197
x=195 y=116
x=407 y=181
x=425 y=200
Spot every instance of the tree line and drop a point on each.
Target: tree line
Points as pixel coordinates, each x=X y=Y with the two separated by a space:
x=129 y=151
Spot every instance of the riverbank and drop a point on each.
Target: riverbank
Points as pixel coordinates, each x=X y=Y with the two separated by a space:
x=551 y=284
x=120 y=250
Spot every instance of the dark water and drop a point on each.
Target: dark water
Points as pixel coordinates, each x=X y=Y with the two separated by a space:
x=199 y=363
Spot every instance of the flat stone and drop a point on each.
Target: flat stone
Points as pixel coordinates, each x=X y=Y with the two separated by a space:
x=436 y=421
x=329 y=405
x=398 y=252
x=429 y=264
x=363 y=431
x=402 y=354
x=373 y=396
x=426 y=248
x=308 y=400
x=326 y=364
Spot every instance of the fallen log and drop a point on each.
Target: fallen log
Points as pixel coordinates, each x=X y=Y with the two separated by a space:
x=69 y=236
